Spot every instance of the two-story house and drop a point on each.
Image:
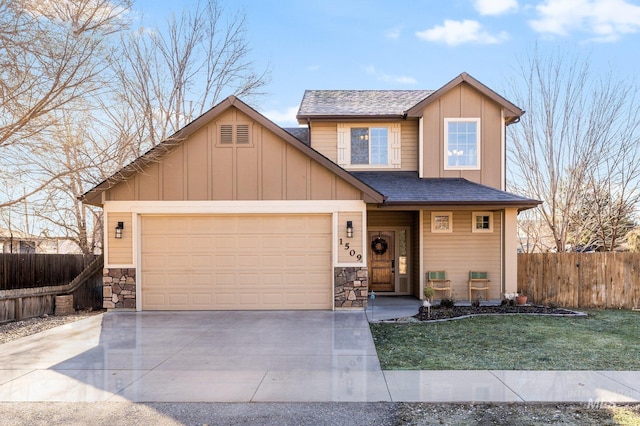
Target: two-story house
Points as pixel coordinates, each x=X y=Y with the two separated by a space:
x=378 y=188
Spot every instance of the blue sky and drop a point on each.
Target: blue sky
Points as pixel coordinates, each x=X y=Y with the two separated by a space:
x=419 y=44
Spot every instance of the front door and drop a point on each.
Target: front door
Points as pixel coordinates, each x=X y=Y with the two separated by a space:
x=382 y=259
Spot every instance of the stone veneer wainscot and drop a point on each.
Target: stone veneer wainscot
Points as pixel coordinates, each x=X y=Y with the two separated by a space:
x=351 y=286
x=119 y=288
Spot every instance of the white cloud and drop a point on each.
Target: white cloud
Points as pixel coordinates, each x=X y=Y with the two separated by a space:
x=400 y=79
x=454 y=33
x=495 y=7
x=607 y=20
x=388 y=78
x=286 y=118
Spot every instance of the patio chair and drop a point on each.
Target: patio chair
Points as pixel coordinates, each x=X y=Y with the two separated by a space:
x=438 y=281
x=479 y=281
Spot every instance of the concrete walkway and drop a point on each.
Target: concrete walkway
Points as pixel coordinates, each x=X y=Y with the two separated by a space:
x=259 y=357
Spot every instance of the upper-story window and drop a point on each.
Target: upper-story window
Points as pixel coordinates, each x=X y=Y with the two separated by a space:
x=365 y=146
x=462 y=143
x=369 y=146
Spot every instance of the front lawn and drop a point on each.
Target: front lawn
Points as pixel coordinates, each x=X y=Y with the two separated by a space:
x=604 y=340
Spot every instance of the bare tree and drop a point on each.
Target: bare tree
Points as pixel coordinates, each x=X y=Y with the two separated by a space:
x=580 y=133
x=169 y=78
x=82 y=156
x=53 y=55
x=156 y=84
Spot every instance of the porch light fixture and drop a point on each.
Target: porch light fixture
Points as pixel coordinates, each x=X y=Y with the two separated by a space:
x=349 y=229
x=119 y=229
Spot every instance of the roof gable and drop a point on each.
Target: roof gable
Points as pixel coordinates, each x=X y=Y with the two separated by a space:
x=153 y=157
x=512 y=112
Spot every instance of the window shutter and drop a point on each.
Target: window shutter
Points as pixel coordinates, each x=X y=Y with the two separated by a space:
x=396 y=143
x=344 y=144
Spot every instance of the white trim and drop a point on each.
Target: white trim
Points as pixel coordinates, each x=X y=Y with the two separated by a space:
x=420 y=148
x=475 y=230
x=434 y=230
x=137 y=220
x=234 y=207
x=421 y=252
x=503 y=153
x=478 y=142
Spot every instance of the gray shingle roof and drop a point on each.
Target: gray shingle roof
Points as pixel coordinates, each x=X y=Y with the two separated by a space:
x=300 y=133
x=408 y=188
x=321 y=103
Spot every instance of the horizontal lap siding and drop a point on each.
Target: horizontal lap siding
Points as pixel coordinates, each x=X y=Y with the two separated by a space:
x=120 y=249
x=462 y=251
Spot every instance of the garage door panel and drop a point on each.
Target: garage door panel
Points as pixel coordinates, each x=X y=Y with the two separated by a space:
x=241 y=262
x=202 y=260
x=202 y=243
x=247 y=242
x=224 y=261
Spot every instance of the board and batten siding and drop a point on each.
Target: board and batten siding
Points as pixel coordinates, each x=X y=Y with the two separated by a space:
x=201 y=168
x=464 y=101
x=324 y=139
x=462 y=251
x=120 y=249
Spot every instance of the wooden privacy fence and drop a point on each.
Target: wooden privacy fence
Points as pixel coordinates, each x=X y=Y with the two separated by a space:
x=39 y=270
x=85 y=287
x=581 y=280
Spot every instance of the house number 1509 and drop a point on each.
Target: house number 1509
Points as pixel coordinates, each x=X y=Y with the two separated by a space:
x=352 y=252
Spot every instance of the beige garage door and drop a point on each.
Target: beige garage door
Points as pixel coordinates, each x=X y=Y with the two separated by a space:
x=236 y=262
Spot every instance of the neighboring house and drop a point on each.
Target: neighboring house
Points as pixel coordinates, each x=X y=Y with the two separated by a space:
x=21 y=242
x=234 y=212
x=17 y=242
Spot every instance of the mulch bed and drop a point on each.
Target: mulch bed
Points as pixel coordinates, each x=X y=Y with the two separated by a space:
x=442 y=313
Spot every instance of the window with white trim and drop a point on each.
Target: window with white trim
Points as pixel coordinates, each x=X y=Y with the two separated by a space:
x=441 y=222
x=462 y=143
x=482 y=222
x=369 y=146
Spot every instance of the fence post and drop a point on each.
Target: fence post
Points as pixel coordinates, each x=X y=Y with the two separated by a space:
x=17 y=309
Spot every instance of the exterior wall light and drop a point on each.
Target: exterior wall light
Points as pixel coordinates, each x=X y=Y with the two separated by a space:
x=349 y=229
x=119 y=229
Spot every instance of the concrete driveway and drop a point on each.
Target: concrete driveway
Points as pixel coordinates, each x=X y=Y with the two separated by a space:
x=281 y=356
x=199 y=357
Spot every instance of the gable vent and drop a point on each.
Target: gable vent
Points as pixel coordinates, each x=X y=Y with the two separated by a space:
x=226 y=133
x=242 y=134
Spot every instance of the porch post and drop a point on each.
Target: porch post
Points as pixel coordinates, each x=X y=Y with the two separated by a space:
x=510 y=238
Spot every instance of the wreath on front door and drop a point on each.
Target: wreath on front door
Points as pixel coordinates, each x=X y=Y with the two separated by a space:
x=379 y=246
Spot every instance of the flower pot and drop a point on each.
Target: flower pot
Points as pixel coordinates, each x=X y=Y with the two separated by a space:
x=521 y=300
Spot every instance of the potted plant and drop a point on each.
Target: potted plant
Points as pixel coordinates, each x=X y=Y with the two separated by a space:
x=521 y=299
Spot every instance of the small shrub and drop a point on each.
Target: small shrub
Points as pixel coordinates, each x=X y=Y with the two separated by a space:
x=447 y=303
x=476 y=303
x=429 y=292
